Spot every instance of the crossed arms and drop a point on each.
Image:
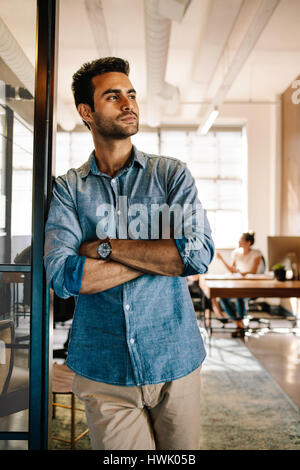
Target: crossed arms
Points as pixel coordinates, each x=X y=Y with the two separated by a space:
x=129 y=260
x=73 y=267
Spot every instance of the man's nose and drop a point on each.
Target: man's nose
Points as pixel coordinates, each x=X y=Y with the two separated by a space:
x=126 y=104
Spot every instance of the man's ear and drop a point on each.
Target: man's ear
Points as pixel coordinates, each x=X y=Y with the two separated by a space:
x=85 y=112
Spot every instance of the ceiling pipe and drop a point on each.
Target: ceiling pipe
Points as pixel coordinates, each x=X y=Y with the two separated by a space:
x=173 y=9
x=95 y=12
x=14 y=57
x=158 y=31
x=161 y=96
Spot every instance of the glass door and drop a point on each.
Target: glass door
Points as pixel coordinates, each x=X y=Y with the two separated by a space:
x=27 y=69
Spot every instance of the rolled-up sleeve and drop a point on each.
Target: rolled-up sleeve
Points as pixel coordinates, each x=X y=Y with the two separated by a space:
x=194 y=239
x=63 y=237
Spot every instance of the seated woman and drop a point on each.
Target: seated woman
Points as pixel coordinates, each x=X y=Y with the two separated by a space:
x=245 y=260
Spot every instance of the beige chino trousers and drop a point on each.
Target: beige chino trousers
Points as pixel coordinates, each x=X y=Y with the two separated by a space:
x=161 y=416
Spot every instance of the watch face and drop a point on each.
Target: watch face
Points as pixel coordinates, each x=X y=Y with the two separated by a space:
x=104 y=250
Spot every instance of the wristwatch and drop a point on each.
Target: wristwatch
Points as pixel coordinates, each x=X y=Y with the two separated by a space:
x=104 y=249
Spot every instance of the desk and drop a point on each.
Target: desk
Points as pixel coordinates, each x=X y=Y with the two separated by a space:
x=228 y=287
x=243 y=288
x=237 y=277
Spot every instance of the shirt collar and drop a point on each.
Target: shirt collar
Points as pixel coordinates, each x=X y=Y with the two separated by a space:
x=138 y=157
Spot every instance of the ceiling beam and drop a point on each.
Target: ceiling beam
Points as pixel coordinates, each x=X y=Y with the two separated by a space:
x=221 y=18
x=258 y=24
x=95 y=13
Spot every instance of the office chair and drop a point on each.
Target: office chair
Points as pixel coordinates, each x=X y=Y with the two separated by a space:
x=14 y=381
x=258 y=306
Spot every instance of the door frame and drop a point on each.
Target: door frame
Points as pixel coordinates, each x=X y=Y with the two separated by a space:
x=41 y=320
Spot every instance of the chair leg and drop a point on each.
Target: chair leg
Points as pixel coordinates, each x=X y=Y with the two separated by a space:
x=73 y=421
x=207 y=318
x=53 y=406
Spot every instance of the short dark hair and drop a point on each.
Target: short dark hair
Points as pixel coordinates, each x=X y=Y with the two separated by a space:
x=249 y=237
x=82 y=85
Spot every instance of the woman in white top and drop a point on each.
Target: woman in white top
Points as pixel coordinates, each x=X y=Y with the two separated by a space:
x=245 y=260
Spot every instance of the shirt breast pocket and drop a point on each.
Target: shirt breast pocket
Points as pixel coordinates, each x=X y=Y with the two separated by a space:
x=145 y=216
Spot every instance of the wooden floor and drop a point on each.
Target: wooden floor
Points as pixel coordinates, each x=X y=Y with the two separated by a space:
x=279 y=354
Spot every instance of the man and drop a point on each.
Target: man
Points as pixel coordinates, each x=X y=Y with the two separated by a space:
x=135 y=345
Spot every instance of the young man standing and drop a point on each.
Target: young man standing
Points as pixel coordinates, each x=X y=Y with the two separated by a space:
x=135 y=345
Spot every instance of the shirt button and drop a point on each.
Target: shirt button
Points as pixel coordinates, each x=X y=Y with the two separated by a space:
x=118 y=212
x=131 y=341
x=113 y=180
x=127 y=307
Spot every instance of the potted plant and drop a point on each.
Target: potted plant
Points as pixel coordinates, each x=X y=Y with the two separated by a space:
x=279 y=272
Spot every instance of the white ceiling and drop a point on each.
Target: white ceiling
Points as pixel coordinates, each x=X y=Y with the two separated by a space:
x=270 y=68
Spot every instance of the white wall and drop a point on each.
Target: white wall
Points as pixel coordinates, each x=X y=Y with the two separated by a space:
x=263 y=130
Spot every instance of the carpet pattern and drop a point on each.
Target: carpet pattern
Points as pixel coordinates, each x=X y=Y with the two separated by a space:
x=242 y=408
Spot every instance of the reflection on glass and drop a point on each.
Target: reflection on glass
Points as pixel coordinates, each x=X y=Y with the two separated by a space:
x=17 y=77
x=13 y=445
x=2 y=173
x=14 y=350
x=16 y=187
x=21 y=190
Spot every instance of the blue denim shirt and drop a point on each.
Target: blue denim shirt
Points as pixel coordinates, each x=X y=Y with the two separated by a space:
x=144 y=331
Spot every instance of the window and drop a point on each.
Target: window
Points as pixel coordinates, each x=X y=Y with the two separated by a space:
x=216 y=161
x=72 y=150
x=21 y=179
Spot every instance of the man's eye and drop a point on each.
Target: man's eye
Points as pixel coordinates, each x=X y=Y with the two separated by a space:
x=113 y=97
x=132 y=97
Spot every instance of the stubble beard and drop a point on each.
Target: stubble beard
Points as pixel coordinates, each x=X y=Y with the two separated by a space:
x=109 y=128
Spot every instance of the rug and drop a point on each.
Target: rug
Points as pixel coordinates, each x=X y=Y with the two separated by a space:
x=242 y=408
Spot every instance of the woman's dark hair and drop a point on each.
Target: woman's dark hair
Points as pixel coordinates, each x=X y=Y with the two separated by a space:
x=249 y=237
x=82 y=85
